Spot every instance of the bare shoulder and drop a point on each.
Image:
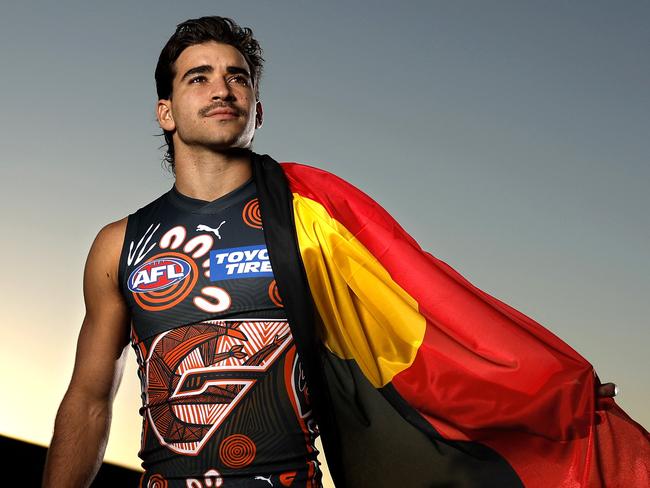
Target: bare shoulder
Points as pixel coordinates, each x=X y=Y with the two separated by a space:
x=104 y=256
x=112 y=235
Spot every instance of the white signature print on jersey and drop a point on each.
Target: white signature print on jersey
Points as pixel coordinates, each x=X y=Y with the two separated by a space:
x=138 y=253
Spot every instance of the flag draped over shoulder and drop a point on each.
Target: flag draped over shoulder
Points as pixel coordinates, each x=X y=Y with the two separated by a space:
x=418 y=378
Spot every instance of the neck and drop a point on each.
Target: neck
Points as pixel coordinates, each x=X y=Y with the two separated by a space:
x=210 y=175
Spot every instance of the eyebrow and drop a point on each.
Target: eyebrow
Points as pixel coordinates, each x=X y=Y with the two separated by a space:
x=206 y=68
x=238 y=70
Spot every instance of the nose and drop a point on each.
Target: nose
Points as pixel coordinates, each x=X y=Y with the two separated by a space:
x=221 y=90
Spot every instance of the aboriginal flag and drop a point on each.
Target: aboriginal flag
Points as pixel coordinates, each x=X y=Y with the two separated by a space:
x=418 y=378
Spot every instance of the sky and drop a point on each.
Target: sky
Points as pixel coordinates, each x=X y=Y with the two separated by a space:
x=511 y=139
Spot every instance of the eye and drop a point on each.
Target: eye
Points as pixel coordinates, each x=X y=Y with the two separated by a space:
x=240 y=79
x=197 y=78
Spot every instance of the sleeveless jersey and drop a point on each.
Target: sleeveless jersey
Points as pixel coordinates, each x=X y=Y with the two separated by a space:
x=224 y=399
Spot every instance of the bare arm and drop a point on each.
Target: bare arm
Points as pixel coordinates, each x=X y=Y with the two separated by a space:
x=83 y=420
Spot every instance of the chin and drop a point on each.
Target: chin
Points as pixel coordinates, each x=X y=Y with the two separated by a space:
x=231 y=145
x=241 y=141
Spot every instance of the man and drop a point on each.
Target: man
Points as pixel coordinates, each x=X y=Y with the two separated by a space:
x=260 y=298
x=209 y=110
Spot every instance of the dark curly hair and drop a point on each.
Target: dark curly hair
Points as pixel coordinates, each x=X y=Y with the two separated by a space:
x=198 y=31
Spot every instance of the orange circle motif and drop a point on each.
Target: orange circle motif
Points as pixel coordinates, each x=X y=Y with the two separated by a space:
x=274 y=294
x=237 y=451
x=157 y=481
x=251 y=214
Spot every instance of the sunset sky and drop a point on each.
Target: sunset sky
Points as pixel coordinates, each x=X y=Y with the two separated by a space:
x=510 y=138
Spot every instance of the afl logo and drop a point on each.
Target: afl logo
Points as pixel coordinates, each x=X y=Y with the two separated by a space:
x=158 y=274
x=163 y=281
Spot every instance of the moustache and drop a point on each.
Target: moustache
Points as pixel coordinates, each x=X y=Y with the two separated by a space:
x=206 y=110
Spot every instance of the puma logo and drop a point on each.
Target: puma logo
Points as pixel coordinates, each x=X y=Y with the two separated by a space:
x=205 y=228
x=268 y=480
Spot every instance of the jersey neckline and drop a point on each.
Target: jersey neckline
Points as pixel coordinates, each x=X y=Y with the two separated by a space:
x=194 y=205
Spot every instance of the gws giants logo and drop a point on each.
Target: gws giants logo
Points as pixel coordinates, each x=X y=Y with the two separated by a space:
x=197 y=374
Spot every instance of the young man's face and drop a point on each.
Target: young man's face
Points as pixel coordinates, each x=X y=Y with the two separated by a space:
x=213 y=99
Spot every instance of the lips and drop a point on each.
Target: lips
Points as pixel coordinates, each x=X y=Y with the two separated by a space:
x=222 y=112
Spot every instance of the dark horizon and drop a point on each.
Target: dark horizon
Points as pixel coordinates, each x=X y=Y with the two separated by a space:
x=28 y=459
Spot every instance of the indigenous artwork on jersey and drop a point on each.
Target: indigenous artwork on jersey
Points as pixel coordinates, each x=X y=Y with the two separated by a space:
x=197 y=374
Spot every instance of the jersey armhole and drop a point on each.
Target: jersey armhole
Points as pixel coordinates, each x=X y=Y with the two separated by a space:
x=131 y=227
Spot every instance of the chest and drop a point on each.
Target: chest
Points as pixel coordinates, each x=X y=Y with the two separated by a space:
x=184 y=264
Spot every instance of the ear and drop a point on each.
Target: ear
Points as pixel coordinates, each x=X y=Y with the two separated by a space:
x=259 y=114
x=164 y=115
